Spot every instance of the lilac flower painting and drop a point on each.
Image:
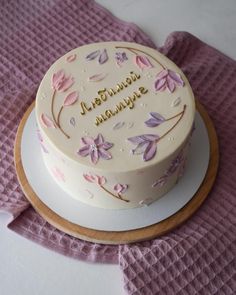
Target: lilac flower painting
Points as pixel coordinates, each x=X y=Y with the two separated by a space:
x=176 y=163
x=168 y=79
x=61 y=82
x=58 y=174
x=101 y=55
x=174 y=166
x=146 y=145
x=95 y=148
x=120 y=58
x=40 y=138
x=101 y=181
x=121 y=188
x=155 y=120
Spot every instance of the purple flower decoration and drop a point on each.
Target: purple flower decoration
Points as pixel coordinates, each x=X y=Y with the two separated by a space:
x=146 y=145
x=95 y=148
x=171 y=170
x=160 y=182
x=175 y=164
x=155 y=120
x=102 y=56
x=168 y=79
x=120 y=57
x=121 y=188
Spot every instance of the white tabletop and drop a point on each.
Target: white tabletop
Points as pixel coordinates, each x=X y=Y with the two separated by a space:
x=27 y=268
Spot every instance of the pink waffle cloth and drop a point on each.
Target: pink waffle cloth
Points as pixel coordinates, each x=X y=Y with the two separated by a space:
x=196 y=258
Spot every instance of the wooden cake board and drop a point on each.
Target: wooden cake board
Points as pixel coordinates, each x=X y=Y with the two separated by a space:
x=121 y=237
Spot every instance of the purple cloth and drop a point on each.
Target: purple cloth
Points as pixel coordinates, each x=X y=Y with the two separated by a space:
x=196 y=258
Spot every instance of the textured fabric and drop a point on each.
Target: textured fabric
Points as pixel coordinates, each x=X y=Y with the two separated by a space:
x=33 y=34
x=198 y=257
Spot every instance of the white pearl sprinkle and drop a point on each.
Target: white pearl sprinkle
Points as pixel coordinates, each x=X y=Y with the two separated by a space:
x=93 y=147
x=143 y=104
x=43 y=96
x=130 y=125
x=170 y=138
x=121 y=150
x=90 y=194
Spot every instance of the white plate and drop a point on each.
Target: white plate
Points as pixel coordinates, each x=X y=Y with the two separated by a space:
x=113 y=220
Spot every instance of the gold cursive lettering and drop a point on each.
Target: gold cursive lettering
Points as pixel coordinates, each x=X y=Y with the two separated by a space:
x=84 y=108
x=143 y=90
x=129 y=102
x=102 y=94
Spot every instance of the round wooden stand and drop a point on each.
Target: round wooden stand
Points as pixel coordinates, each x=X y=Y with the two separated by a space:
x=112 y=237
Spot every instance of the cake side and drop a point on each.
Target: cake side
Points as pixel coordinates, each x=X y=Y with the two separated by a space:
x=114 y=119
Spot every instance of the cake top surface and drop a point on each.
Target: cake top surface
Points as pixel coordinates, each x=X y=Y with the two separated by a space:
x=115 y=106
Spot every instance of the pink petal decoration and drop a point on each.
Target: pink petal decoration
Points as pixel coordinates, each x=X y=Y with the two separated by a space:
x=103 y=57
x=160 y=182
x=58 y=174
x=97 y=77
x=67 y=83
x=121 y=188
x=143 y=62
x=89 y=178
x=71 y=58
x=71 y=98
x=47 y=122
x=101 y=180
x=57 y=77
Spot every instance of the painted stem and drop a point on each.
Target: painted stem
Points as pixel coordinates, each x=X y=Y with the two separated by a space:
x=115 y=196
x=57 y=122
x=139 y=50
x=52 y=106
x=177 y=122
x=174 y=116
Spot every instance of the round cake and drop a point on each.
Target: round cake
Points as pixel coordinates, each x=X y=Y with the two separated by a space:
x=114 y=123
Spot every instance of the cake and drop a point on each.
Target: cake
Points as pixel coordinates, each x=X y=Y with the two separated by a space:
x=114 y=123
